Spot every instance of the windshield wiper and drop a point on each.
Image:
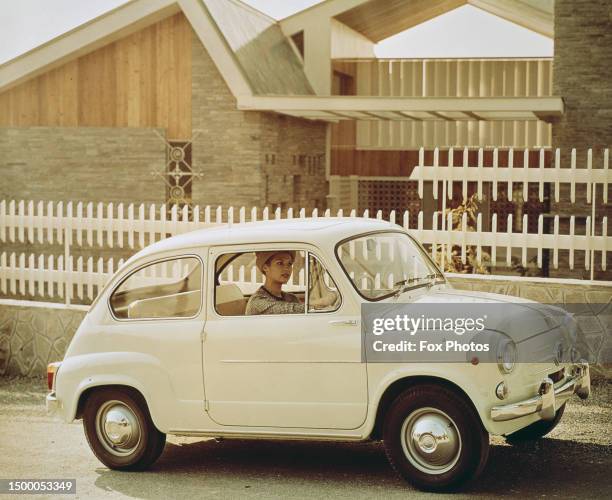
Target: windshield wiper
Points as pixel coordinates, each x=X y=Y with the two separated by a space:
x=410 y=283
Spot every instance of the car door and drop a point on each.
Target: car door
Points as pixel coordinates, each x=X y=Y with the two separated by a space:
x=157 y=312
x=285 y=370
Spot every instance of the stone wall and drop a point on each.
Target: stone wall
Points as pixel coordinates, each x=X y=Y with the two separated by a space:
x=35 y=334
x=590 y=302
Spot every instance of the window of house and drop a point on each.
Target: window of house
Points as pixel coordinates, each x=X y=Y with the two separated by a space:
x=298 y=40
x=165 y=289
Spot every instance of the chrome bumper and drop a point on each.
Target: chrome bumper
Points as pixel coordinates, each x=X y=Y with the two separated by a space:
x=52 y=403
x=549 y=398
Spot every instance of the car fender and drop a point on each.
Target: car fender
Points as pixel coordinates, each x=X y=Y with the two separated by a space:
x=142 y=372
x=463 y=376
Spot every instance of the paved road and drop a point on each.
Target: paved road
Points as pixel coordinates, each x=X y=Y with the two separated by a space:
x=575 y=461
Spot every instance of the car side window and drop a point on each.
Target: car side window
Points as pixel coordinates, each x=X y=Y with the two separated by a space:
x=323 y=294
x=240 y=283
x=170 y=288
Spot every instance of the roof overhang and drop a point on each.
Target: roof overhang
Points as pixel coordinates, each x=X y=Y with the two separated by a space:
x=380 y=19
x=118 y=23
x=335 y=108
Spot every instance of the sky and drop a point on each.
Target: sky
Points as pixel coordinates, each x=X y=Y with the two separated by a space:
x=459 y=33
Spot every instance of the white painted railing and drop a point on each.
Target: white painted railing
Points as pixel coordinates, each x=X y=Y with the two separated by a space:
x=67 y=277
x=452 y=78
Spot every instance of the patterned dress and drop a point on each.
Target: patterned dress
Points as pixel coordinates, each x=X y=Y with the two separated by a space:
x=263 y=302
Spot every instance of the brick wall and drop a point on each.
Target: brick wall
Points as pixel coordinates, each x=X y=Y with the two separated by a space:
x=293 y=153
x=583 y=72
x=225 y=141
x=251 y=158
x=582 y=76
x=81 y=164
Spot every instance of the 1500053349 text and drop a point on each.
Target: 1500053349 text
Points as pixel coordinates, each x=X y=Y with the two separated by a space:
x=37 y=486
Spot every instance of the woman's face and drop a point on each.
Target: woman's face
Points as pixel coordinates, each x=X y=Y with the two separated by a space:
x=279 y=268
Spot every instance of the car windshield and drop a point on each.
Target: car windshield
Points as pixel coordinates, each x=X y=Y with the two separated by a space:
x=384 y=264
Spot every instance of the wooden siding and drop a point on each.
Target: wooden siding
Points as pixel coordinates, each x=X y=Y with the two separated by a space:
x=380 y=19
x=143 y=80
x=381 y=163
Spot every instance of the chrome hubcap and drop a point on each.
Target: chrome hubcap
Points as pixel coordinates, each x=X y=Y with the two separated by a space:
x=430 y=440
x=118 y=428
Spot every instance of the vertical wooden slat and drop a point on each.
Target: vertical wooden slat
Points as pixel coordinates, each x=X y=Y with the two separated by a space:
x=122 y=74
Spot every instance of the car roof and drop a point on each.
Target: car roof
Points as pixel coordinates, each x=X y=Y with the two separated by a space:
x=316 y=231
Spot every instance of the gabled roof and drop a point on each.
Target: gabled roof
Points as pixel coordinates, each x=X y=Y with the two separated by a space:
x=261 y=48
x=249 y=49
x=262 y=70
x=380 y=19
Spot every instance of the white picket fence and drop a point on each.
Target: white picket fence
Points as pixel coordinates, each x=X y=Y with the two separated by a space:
x=458 y=169
x=107 y=226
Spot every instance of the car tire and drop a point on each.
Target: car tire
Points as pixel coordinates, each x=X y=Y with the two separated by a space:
x=536 y=430
x=434 y=438
x=120 y=431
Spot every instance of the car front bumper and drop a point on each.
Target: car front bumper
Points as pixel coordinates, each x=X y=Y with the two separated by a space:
x=549 y=398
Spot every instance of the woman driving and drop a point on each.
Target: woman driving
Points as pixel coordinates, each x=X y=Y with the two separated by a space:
x=277 y=267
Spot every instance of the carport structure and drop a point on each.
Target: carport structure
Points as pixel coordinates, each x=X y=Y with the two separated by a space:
x=384 y=111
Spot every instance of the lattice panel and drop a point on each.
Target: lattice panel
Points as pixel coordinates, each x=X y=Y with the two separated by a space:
x=389 y=195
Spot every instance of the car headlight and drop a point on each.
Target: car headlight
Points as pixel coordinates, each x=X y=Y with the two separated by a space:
x=506 y=356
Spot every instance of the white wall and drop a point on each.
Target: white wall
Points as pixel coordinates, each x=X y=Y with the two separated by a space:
x=346 y=42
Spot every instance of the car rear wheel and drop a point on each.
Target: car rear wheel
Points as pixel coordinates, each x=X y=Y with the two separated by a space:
x=434 y=439
x=120 y=431
x=536 y=430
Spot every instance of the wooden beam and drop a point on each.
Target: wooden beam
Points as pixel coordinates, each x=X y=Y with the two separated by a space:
x=545 y=106
x=409 y=116
x=535 y=15
x=380 y=19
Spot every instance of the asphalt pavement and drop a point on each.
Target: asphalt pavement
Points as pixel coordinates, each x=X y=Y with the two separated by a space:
x=574 y=461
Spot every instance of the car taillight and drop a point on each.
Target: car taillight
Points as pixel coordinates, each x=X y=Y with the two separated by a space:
x=51 y=371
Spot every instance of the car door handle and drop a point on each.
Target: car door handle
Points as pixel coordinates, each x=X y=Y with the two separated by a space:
x=343 y=322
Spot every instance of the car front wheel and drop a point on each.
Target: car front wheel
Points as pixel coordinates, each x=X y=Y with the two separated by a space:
x=434 y=439
x=120 y=431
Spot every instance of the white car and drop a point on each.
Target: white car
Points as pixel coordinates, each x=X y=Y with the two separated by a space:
x=167 y=348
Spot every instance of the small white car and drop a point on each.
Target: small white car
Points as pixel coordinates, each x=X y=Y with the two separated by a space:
x=168 y=348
